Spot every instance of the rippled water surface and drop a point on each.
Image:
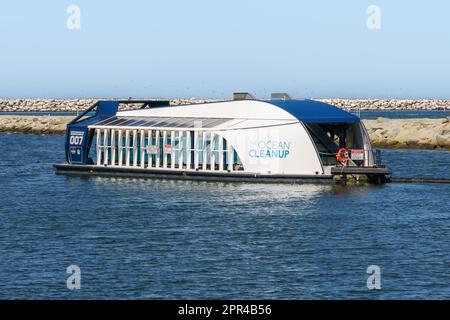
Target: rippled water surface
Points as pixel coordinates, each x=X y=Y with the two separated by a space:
x=135 y=238
x=402 y=114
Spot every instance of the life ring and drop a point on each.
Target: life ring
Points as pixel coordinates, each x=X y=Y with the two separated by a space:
x=342 y=155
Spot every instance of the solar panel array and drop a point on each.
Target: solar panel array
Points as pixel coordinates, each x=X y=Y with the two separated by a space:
x=160 y=122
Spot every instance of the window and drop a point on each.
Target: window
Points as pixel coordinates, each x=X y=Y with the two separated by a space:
x=199 y=150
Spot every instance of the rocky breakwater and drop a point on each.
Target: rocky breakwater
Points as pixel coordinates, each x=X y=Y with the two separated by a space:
x=410 y=133
x=44 y=105
x=34 y=124
x=389 y=104
x=76 y=105
x=384 y=133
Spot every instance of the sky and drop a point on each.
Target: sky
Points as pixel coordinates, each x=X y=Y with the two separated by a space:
x=210 y=49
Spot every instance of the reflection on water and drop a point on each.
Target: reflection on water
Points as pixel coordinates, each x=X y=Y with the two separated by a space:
x=245 y=196
x=418 y=163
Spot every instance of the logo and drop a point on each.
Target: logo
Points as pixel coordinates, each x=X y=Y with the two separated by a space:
x=270 y=149
x=152 y=149
x=374 y=280
x=76 y=138
x=74 y=279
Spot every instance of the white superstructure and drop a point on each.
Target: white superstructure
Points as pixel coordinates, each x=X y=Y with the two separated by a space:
x=282 y=138
x=254 y=136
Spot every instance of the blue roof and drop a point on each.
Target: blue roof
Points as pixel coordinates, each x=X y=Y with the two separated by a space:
x=309 y=111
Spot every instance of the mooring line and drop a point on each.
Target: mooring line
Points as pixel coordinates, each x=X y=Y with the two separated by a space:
x=420 y=180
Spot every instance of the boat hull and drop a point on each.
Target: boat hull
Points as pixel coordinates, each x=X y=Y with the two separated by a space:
x=93 y=170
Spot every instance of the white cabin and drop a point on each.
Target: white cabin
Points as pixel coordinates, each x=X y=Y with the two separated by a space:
x=279 y=138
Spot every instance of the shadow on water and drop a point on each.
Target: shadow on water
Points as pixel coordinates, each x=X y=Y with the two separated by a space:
x=280 y=191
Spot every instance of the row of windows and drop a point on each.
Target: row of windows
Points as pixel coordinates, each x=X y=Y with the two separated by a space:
x=162 y=122
x=150 y=148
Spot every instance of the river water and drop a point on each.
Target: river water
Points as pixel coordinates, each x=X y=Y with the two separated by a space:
x=155 y=239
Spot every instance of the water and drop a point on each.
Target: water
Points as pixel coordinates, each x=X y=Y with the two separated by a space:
x=402 y=114
x=135 y=238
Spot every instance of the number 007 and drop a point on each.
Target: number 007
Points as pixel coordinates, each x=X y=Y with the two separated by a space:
x=76 y=140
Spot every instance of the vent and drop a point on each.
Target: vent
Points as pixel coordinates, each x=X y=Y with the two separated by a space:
x=243 y=96
x=280 y=96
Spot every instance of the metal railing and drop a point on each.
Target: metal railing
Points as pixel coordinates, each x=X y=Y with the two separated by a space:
x=371 y=158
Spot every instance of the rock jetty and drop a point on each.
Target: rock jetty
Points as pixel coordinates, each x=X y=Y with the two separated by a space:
x=385 y=133
x=409 y=133
x=389 y=104
x=34 y=124
x=77 y=105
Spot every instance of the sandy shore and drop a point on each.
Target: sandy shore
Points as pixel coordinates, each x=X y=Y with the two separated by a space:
x=386 y=133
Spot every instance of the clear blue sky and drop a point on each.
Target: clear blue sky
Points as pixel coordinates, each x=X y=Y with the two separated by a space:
x=205 y=48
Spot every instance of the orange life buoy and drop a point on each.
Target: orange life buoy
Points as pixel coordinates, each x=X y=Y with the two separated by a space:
x=342 y=156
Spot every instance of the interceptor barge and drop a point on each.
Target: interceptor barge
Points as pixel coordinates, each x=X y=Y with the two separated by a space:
x=244 y=139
